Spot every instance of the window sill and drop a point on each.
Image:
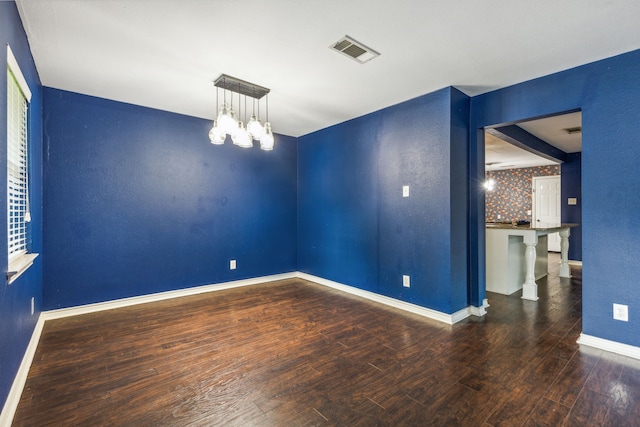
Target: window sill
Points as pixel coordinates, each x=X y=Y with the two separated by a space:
x=19 y=265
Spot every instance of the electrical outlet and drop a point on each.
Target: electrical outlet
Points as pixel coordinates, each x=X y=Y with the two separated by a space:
x=406 y=281
x=232 y=264
x=405 y=191
x=621 y=312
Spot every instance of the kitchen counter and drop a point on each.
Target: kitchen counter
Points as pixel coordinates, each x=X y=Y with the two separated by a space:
x=551 y=228
x=517 y=256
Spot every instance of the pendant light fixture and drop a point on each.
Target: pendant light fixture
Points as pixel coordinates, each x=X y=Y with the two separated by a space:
x=226 y=117
x=228 y=123
x=240 y=136
x=266 y=140
x=254 y=127
x=490 y=184
x=216 y=134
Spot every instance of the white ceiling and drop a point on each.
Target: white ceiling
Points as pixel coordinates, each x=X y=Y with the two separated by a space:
x=166 y=53
x=500 y=154
x=554 y=131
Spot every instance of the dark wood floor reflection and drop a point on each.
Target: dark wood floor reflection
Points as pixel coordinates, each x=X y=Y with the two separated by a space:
x=292 y=353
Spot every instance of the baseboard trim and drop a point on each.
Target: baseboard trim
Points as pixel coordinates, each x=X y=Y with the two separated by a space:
x=160 y=296
x=612 y=346
x=479 y=311
x=11 y=404
x=392 y=302
x=574 y=262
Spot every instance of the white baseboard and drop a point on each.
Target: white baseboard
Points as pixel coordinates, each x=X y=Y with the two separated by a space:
x=574 y=262
x=11 y=404
x=612 y=346
x=479 y=311
x=126 y=302
x=392 y=302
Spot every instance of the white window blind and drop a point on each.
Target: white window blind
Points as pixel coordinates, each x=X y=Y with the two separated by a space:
x=17 y=167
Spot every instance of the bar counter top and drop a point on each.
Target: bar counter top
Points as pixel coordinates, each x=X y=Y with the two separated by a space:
x=510 y=226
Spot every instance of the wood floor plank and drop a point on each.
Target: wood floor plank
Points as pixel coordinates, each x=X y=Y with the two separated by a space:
x=571 y=380
x=514 y=410
x=590 y=410
x=295 y=353
x=547 y=413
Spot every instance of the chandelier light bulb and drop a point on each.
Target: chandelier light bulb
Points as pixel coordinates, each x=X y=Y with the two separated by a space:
x=233 y=122
x=216 y=135
x=226 y=119
x=241 y=137
x=254 y=127
x=266 y=140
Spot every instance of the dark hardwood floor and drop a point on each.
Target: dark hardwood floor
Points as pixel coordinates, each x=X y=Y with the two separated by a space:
x=293 y=353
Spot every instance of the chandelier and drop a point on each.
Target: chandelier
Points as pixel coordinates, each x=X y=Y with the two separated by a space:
x=228 y=122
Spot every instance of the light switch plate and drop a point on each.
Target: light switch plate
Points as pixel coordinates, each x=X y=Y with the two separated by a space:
x=406 y=281
x=405 y=191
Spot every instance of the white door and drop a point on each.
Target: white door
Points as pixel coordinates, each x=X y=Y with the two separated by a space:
x=546 y=206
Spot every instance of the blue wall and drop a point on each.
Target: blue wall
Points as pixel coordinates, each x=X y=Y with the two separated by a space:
x=138 y=201
x=338 y=203
x=607 y=92
x=354 y=226
x=16 y=321
x=571 y=182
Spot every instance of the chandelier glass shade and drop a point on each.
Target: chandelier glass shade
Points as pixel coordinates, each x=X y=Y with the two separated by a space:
x=266 y=140
x=255 y=128
x=227 y=119
x=216 y=135
x=241 y=137
x=227 y=122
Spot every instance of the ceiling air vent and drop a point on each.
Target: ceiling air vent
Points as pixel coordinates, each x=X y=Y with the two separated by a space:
x=571 y=131
x=354 y=50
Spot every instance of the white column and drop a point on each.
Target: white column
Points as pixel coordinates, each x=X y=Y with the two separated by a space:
x=529 y=287
x=565 y=271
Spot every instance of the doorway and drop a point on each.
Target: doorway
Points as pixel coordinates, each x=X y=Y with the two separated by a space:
x=553 y=145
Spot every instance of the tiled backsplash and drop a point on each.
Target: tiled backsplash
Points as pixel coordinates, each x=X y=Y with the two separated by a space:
x=511 y=197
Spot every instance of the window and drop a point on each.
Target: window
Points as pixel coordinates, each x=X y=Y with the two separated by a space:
x=18 y=214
